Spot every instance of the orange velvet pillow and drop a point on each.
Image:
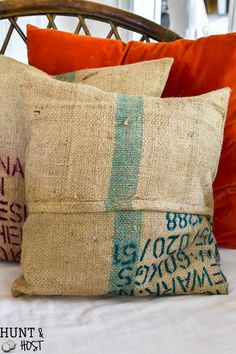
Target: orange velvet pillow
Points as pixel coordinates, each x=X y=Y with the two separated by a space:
x=57 y=52
x=200 y=66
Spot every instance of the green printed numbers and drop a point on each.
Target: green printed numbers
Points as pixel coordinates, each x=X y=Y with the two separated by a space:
x=182 y=220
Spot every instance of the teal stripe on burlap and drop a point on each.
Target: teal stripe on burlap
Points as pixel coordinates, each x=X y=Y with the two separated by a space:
x=123 y=187
x=69 y=77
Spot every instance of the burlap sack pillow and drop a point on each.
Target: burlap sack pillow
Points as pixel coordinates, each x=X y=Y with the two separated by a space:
x=12 y=144
x=119 y=192
x=125 y=79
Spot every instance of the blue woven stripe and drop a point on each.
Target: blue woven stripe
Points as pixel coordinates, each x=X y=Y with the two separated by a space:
x=123 y=187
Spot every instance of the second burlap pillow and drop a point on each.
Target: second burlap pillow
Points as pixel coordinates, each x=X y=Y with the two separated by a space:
x=13 y=118
x=129 y=79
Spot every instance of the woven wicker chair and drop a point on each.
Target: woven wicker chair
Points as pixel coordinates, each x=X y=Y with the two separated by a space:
x=118 y=19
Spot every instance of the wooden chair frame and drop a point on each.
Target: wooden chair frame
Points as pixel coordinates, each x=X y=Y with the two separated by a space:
x=13 y=9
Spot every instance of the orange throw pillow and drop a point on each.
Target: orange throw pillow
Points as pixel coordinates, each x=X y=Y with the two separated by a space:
x=57 y=52
x=203 y=65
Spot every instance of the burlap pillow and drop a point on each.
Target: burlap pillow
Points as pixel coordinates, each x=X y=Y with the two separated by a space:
x=119 y=192
x=125 y=79
x=12 y=145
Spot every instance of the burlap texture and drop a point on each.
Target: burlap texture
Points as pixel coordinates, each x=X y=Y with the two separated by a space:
x=111 y=79
x=13 y=113
x=76 y=254
x=119 y=192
